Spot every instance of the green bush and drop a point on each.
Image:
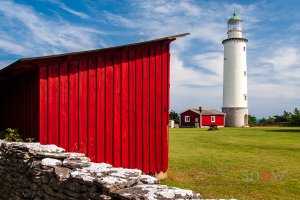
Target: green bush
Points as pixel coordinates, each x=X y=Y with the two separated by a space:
x=12 y=135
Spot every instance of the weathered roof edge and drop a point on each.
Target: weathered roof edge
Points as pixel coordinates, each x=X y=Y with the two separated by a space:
x=172 y=37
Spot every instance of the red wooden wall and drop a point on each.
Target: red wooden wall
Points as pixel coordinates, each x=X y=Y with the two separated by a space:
x=219 y=120
x=113 y=106
x=192 y=115
x=19 y=104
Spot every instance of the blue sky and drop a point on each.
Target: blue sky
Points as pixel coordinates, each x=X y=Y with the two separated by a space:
x=42 y=27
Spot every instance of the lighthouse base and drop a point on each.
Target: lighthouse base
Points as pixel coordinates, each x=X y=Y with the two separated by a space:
x=236 y=116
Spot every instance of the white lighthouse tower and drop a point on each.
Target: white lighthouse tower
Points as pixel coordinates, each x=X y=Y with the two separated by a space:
x=235 y=98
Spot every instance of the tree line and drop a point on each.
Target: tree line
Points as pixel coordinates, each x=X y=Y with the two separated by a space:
x=286 y=119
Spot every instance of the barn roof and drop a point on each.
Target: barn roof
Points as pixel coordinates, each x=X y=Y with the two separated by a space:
x=206 y=111
x=24 y=64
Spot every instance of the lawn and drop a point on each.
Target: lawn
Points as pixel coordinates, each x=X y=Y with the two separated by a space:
x=242 y=163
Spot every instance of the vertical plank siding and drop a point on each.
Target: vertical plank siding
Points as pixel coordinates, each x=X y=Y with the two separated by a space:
x=19 y=103
x=113 y=106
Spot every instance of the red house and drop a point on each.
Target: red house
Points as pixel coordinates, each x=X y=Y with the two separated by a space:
x=111 y=104
x=202 y=118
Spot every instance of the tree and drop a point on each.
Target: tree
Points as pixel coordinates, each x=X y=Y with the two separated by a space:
x=174 y=116
x=270 y=120
x=252 y=121
x=295 y=117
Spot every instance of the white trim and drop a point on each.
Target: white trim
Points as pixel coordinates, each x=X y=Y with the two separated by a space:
x=212 y=118
x=187 y=119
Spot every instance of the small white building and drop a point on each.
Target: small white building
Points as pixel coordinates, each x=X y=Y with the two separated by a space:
x=235 y=96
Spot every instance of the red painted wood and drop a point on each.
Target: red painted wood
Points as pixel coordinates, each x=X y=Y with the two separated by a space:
x=92 y=138
x=219 y=120
x=152 y=112
x=139 y=108
x=192 y=115
x=146 y=111
x=205 y=120
x=73 y=107
x=63 y=106
x=158 y=105
x=124 y=109
x=83 y=106
x=53 y=104
x=166 y=157
x=109 y=110
x=132 y=114
x=165 y=111
x=101 y=109
x=42 y=104
x=117 y=111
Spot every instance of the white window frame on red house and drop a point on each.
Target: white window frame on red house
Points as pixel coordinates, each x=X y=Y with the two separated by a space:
x=213 y=118
x=187 y=119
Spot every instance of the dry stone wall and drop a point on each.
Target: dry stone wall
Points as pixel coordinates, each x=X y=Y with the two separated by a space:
x=35 y=171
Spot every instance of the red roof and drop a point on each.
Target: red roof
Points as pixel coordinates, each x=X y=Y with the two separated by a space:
x=205 y=111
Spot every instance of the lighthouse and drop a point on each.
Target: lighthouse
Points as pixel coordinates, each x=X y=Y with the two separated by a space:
x=235 y=97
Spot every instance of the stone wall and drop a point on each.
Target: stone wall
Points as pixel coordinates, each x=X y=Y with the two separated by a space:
x=34 y=171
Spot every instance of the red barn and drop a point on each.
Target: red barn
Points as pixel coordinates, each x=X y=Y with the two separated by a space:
x=202 y=118
x=111 y=104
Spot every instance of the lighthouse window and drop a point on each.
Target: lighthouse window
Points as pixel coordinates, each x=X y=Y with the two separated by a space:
x=245 y=97
x=244 y=48
x=245 y=73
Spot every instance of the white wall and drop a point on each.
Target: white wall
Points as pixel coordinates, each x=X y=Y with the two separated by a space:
x=234 y=79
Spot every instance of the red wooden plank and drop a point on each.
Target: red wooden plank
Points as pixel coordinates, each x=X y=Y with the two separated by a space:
x=42 y=104
x=92 y=110
x=117 y=111
x=139 y=108
x=165 y=111
x=53 y=104
x=73 y=107
x=109 y=110
x=158 y=104
x=152 y=112
x=101 y=109
x=146 y=110
x=132 y=116
x=83 y=106
x=166 y=165
x=124 y=110
x=63 y=105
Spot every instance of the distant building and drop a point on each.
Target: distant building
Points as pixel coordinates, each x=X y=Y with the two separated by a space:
x=201 y=117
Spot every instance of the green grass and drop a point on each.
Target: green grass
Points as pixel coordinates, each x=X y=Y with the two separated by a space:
x=228 y=163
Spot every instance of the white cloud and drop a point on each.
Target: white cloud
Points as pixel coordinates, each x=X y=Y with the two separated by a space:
x=43 y=36
x=69 y=10
x=13 y=48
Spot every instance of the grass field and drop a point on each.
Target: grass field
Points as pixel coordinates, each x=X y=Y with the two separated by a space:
x=242 y=163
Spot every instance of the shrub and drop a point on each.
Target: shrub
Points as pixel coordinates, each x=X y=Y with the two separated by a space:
x=12 y=135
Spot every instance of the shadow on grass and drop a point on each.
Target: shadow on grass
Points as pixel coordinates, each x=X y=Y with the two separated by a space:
x=285 y=130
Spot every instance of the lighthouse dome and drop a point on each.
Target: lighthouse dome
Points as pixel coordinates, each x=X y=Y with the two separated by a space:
x=234 y=19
